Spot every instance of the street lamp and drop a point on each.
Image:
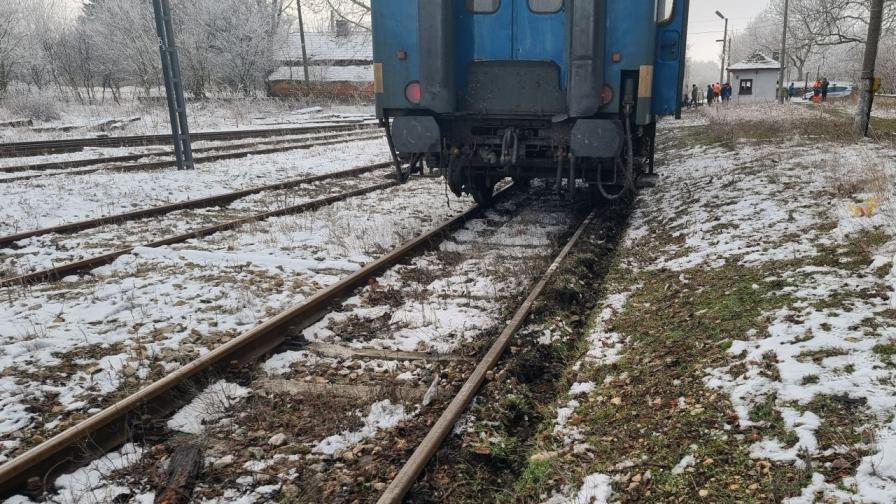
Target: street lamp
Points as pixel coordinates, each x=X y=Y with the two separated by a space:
x=724 y=47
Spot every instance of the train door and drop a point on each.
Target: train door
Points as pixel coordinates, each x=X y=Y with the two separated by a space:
x=526 y=30
x=486 y=31
x=510 y=56
x=672 y=20
x=539 y=31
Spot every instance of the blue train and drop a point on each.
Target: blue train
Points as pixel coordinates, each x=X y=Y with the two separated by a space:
x=565 y=89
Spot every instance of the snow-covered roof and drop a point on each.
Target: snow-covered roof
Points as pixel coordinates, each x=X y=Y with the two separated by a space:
x=363 y=73
x=327 y=46
x=756 y=61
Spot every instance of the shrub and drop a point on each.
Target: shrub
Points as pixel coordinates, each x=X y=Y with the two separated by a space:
x=29 y=106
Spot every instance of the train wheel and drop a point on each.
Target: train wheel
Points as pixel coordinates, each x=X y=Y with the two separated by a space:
x=522 y=182
x=483 y=191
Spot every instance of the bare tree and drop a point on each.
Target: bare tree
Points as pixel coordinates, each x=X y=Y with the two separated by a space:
x=11 y=35
x=354 y=12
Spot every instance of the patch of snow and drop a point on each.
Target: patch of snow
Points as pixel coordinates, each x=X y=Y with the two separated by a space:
x=89 y=484
x=210 y=405
x=596 y=489
x=581 y=388
x=383 y=415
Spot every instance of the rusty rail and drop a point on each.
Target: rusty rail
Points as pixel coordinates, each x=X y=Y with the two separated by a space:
x=220 y=199
x=159 y=165
x=36 y=148
x=407 y=476
x=125 y=158
x=112 y=426
x=93 y=262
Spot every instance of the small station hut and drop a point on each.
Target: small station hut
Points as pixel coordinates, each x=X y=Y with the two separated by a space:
x=755 y=79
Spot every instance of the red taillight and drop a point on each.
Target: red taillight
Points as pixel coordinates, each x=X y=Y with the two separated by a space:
x=413 y=92
x=606 y=94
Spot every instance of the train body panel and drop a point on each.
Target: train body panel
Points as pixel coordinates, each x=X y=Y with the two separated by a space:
x=526 y=88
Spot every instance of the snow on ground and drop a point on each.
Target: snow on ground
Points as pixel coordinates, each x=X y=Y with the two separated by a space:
x=153 y=154
x=91 y=484
x=833 y=336
x=68 y=344
x=59 y=199
x=383 y=415
x=209 y=406
x=42 y=252
x=438 y=302
x=211 y=115
x=462 y=304
x=596 y=489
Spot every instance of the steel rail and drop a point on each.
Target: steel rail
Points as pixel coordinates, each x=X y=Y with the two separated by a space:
x=110 y=427
x=124 y=158
x=58 y=272
x=159 y=165
x=35 y=148
x=407 y=476
x=219 y=199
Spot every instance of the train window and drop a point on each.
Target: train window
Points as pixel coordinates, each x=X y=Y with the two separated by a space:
x=483 y=6
x=664 y=11
x=545 y=6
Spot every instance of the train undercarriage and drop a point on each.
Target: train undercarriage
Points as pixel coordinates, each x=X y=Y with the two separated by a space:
x=608 y=155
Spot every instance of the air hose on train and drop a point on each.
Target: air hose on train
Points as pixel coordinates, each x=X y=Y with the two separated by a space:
x=629 y=164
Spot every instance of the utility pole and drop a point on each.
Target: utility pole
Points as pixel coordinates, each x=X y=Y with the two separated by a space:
x=783 y=55
x=863 y=114
x=174 y=89
x=302 y=38
x=724 y=47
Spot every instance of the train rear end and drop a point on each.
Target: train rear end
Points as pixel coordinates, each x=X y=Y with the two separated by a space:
x=559 y=89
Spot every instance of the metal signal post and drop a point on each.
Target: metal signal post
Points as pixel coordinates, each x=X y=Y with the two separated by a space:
x=174 y=89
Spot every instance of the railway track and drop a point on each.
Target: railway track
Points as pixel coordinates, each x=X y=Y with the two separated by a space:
x=81 y=163
x=159 y=165
x=58 y=272
x=124 y=420
x=220 y=199
x=37 y=148
x=114 y=425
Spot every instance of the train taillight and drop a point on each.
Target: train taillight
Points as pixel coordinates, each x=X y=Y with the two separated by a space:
x=413 y=92
x=606 y=94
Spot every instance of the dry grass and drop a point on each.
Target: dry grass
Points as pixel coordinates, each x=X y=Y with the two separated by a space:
x=774 y=122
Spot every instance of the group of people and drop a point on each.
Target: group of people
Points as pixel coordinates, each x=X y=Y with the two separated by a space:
x=820 y=89
x=717 y=92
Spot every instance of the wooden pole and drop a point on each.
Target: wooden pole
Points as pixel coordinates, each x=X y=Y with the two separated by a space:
x=783 y=54
x=863 y=113
x=302 y=38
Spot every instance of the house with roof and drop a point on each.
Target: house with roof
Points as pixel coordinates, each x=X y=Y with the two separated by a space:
x=340 y=63
x=755 y=79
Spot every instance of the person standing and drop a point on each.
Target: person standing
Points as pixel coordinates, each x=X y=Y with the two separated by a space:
x=709 y=94
x=816 y=91
x=695 y=94
x=717 y=91
x=825 y=85
x=791 y=90
x=726 y=92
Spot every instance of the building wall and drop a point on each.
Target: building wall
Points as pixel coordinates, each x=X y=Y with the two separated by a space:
x=765 y=85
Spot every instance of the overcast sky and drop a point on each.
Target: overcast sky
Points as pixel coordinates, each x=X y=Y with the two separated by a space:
x=705 y=27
